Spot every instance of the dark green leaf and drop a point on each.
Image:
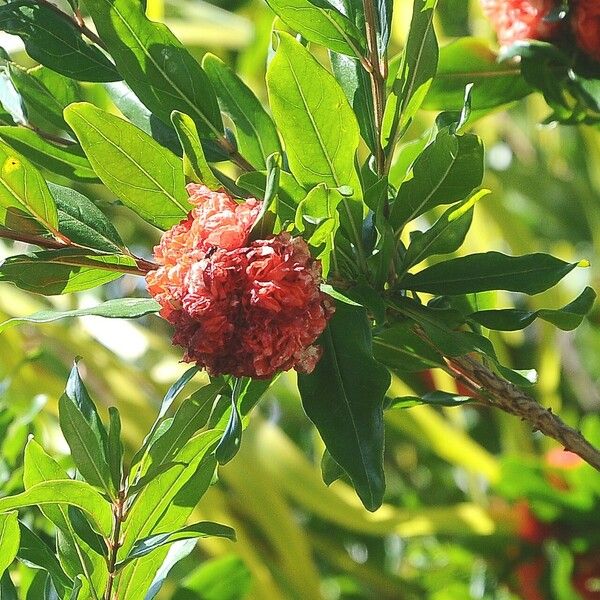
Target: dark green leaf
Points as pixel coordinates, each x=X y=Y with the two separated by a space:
x=436 y=398
x=530 y=274
x=265 y=222
x=194 y=161
x=469 y=60
x=7 y=588
x=344 y=398
x=230 y=441
x=83 y=222
x=69 y=492
x=145 y=176
x=55 y=42
x=256 y=134
x=68 y=161
x=384 y=25
x=9 y=539
x=119 y=308
x=54 y=272
x=318 y=21
x=447 y=171
x=197 y=530
x=330 y=470
x=115 y=447
x=567 y=318
x=155 y=64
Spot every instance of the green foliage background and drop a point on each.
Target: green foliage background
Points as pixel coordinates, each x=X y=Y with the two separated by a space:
x=458 y=479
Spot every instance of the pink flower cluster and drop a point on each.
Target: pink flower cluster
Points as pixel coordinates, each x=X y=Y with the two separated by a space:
x=245 y=309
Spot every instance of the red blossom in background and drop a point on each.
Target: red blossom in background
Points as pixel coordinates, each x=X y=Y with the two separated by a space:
x=586 y=26
x=246 y=310
x=518 y=20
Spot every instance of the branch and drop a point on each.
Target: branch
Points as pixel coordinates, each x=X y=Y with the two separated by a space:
x=502 y=394
x=114 y=543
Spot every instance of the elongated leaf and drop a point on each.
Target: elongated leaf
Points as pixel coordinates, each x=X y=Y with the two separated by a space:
x=195 y=165
x=177 y=552
x=229 y=444
x=156 y=65
x=55 y=42
x=344 y=399
x=68 y=161
x=265 y=221
x=255 y=131
x=142 y=174
x=25 y=200
x=384 y=9
x=73 y=493
x=470 y=60
x=7 y=588
x=445 y=236
x=197 y=530
x=436 y=398
x=54 y=272
x=86 y=449
x=318 y=21
x=83 y=222
x=9 y=539
x=115 y=447
x=530 y=274
x=447 y=171
x=567 y=318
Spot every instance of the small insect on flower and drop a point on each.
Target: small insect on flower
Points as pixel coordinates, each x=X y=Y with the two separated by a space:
x=240 y=308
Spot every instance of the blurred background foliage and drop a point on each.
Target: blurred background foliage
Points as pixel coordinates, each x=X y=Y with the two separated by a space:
x=477 y=505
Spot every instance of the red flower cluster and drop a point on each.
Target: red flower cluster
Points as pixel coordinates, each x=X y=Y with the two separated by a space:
x=586 y=26
x=518 y=20
x=238 y=308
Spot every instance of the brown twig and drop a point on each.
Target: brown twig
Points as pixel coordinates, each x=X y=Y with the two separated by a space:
x=114 y=543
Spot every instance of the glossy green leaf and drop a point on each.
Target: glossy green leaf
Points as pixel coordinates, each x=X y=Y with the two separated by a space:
x=230 y=441
x=530 y=274
x=81 y=221
x=436 y=398
x=319 y=21
x=177 y=551
x=264 y=224
x=384 y=10
x=9 y=539
x=447 y=171
x=194 y=161
x=256 y=134
x=68 y=161
x=24 y=195
x=142 y=174
x=567 y=318
x=7 y=588
x=86 y=449
x=470 y=60
x=155 y=64
x=73 y=493
x=330 y=470
x=344 y=398
x=52 y=272
x=115 y=447
x=197 y=530
x=55 y=42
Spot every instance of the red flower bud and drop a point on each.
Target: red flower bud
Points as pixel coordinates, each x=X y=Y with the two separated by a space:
x=519 y=20
x=586 y=26
x=245 y=310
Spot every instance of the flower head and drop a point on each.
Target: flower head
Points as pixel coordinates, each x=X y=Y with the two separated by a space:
x=518 y=20
x=246 y=309
x=586 y=25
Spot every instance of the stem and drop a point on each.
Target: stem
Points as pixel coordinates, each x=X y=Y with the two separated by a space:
x=115 y=542
x=76 y=21
x=50 y=136
x=377 y=77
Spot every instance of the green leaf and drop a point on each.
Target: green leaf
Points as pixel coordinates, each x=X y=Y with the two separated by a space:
x=55 y=42
x=86 y=449
x=52 y=272
x=470 y=60
x=195 y=165
x=567 y=318
x=197 y=530
x=318 y=125
x=447 y=171
x=344 y=399
x=9 y=539
x=24 y=195
x=318 y=21
x=330 y=470
x=155 y=64
x=255 y=131
x=115 y=447
x=73 y=493
x=67 y=161
x=145 y=176
x=7 y=588
x=435 y=398
x=83 y=222
x=445 y=236
x=384 y=10
x=265 y=222
x=230 y=441
x=530 y=274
